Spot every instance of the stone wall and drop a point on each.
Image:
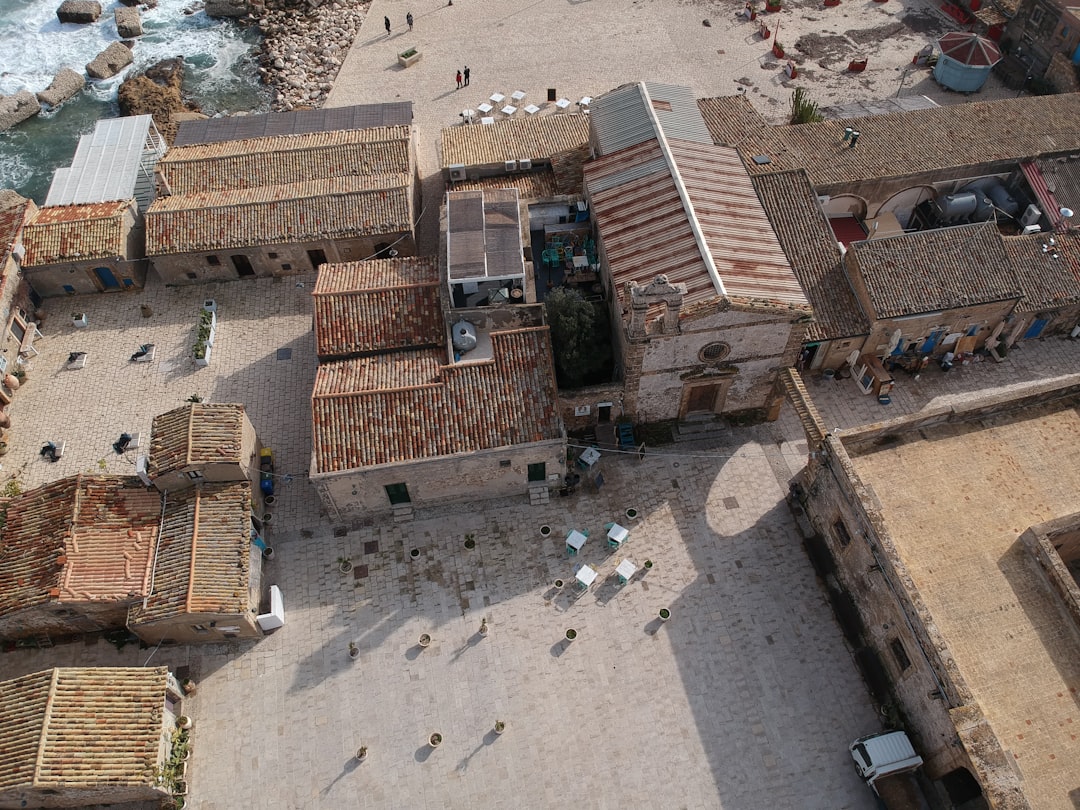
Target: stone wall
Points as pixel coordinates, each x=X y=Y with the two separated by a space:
x=1053 y=544
x=355 y=495
x=591 y=398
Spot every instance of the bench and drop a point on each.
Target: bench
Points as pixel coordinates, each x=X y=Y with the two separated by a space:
x=29 y=336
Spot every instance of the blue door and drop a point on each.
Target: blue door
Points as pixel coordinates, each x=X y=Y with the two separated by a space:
x=932 y=341
x=106 y=277
x=1036 y=328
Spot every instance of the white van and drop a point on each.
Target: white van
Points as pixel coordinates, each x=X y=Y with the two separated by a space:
x=885 y=754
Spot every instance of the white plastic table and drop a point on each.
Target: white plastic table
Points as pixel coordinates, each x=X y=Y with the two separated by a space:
x=589 y=456
x=562 y=103
x=586 y=575
x=618 y=534
x=585 y=101
x=468 y=115
x=532 y=109
x=496 y=98
x=626 y=570
x=487 y=119
x=484 y=108
x=509 y=109
x=575 y=539
x=518 y=96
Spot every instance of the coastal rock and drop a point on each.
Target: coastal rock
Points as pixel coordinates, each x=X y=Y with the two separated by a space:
x=143 y=3
x=110 y=61
x=128 y=22
x=227 y=8
x=17 y=108
x=158 y=92
x=79 y=11
x=65 y=84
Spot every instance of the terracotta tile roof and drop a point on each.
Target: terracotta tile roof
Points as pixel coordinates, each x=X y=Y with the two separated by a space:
x=63 y=233
x=194 y=434
x=412 y=406
x=203 y=562
x=82 y=727
x=646 y=230
x=730 y=119
x=82 y=539
x=529 y=185
x=810 y=245
x=537 y=138
x=287 y=159
x=920 y=142
x=377 y=305
x=932 y=271
x=1047 y=282
x=335 y=208
x=11 y=222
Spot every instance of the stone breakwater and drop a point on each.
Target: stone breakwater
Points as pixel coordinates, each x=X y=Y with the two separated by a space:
x=303 y=48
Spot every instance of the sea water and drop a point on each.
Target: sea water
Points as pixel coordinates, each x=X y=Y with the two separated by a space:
x=220 y=75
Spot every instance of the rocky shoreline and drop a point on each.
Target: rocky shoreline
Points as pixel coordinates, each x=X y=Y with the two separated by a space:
x=304 y=45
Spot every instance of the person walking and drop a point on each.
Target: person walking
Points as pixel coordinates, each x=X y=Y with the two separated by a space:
x=386 y=22
x=465 y=75
x=408 y=19
x=459 y=80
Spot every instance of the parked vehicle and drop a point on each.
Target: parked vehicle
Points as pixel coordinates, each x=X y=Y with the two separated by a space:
x=884 y=754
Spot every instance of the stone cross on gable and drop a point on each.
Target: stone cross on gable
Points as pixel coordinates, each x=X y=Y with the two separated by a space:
x=658 y=291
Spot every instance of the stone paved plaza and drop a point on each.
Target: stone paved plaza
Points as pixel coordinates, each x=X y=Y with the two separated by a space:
x=747 y=698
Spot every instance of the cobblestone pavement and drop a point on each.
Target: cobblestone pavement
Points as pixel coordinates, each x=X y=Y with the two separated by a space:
x=745 y=699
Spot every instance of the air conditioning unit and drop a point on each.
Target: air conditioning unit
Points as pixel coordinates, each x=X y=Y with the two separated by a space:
x=141 y=465
x=525 y=164
x=1030 y=229
x=1031 y=215
x=457 y=173
x=511 y=165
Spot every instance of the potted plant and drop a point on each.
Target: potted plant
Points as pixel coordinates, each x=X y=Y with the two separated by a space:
x=425 y=639
x=435 y=740
x=665 y=614
x=344 y=564
x=409 y=57
x=500 y=726
x=361 y=753
x=545 y=531
x=631 y=513
x=648 y=565
x=414 y=554
x=269 y=500
x=559 y=584
x=3 y=447
x=777 y=50
x=571 y=634
x=78 y=319
x=772 y=6
x=354 y=651
x=470 y=541
x=188 y=686
x=20 y=374
x=184 y=722
x=268 y=553
x=483 y=627
x=268 y=517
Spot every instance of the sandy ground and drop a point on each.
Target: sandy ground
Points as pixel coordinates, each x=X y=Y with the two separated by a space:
x=587 y=47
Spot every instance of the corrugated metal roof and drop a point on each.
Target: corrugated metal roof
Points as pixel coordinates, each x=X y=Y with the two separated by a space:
x=483 y=239
x=241 y=127
x=645 y=225
x=631 y=114
x=107 y=162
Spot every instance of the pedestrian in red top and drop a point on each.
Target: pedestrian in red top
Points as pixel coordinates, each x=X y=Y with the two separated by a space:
x=459 y=80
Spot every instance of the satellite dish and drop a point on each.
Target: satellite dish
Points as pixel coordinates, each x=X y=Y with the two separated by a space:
x=1066 y=212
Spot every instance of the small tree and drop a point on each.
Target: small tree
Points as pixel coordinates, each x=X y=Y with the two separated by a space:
x=803 y=110
x=579 y=351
